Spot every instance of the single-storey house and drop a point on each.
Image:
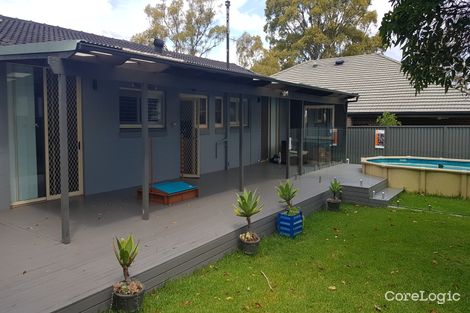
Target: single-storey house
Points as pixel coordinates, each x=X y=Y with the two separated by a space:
x=382 y=88
x=89 y=114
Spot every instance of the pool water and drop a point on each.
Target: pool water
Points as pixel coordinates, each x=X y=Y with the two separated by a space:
x=426 y=163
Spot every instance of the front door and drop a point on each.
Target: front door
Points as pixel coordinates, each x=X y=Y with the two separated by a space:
x=189 y=137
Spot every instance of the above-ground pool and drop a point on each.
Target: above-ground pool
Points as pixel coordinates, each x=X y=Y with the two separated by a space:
x=447 y=177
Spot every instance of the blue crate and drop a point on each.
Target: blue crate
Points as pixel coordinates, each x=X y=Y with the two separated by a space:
x=289 y=225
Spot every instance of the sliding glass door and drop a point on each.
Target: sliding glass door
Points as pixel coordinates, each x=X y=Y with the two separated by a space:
x=319 y=128
x=26 y=132
x=33 y=106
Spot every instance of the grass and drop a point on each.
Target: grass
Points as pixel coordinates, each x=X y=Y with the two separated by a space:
x=362 y=252
x=436 y=203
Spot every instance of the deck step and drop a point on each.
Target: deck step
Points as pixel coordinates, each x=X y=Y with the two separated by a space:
x=387 y=194
x=371 y=195
x=384 y=196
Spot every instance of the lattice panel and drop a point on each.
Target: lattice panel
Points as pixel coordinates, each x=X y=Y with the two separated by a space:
x=189 y=134
x=53 y=133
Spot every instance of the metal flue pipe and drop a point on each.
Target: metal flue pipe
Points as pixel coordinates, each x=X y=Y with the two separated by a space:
x=227 y=5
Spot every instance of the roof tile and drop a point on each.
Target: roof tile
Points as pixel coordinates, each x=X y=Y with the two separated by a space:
x=380 y=84
x=15 y=31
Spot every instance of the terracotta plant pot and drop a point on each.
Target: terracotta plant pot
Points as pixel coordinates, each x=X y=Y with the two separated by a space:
x=128 y=303
x=333 y=204
x=249 y=247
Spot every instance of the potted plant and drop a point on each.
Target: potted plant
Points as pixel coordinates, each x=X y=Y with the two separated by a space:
x=248 y=204
x=290 y=221
x=334 y=203
x=129 y=293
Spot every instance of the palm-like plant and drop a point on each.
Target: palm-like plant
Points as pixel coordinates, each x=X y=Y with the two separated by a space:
x=287 y=192
x=248 y=204
x=126 y=250
x=335 y=188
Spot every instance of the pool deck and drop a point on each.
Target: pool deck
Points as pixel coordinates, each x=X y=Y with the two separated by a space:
x=39 y=274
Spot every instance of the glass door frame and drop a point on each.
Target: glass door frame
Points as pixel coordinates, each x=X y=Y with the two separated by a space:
x=310 y=106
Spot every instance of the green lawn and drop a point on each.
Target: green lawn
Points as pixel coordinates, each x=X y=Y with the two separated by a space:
x=434 y=203
x=360 y=252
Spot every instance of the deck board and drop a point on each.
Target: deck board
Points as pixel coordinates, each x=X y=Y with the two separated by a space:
x=176 y=240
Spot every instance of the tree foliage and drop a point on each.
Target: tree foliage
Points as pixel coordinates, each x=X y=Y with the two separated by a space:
x=250 y=50
x=189 y=25
x=304 y=30
x=435 y=40
x=252 y=54
x=269 y=64
x=388 y=119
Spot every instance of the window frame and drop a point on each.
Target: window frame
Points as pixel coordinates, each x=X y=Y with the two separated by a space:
x=197 y=98
x=221 y=124
x=206 y=124
x=245 y=102
x=152 y=94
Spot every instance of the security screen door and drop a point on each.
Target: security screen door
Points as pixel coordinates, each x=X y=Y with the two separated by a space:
x=52 y=135
x=189 y=137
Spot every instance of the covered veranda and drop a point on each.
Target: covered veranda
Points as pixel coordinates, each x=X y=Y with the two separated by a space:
x=107 y=63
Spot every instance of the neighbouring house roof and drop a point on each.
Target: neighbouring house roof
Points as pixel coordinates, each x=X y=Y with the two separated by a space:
x=21 y=37
x=380 y=85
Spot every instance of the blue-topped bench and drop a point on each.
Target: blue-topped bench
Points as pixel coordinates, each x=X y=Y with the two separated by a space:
x=172 y=192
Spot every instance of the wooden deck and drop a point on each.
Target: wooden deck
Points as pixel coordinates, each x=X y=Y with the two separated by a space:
x=39 y=274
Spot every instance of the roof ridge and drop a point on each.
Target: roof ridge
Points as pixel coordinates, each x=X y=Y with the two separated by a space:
x=335 y=58
x=349 y=56
x=389 y=58
x=292 y=67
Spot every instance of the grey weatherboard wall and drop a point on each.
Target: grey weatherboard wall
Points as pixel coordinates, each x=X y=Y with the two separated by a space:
x=425 y=141
x=4 y=151
x=113 y=157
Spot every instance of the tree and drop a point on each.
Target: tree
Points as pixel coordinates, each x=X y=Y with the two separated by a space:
x=435 y=40
x=307 y=30
x=192 y=30
x=251 y=54
x=388 y=119
x=250 y=50
x=269 y=64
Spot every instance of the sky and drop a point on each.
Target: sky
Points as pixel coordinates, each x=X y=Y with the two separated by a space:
x=123 y=18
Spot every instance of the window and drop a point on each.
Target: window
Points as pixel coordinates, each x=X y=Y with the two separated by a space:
x=234 y=112
x=246 y=109
x=197 y=107
x=130 y=108
x=219 y=112
x=203 y=113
